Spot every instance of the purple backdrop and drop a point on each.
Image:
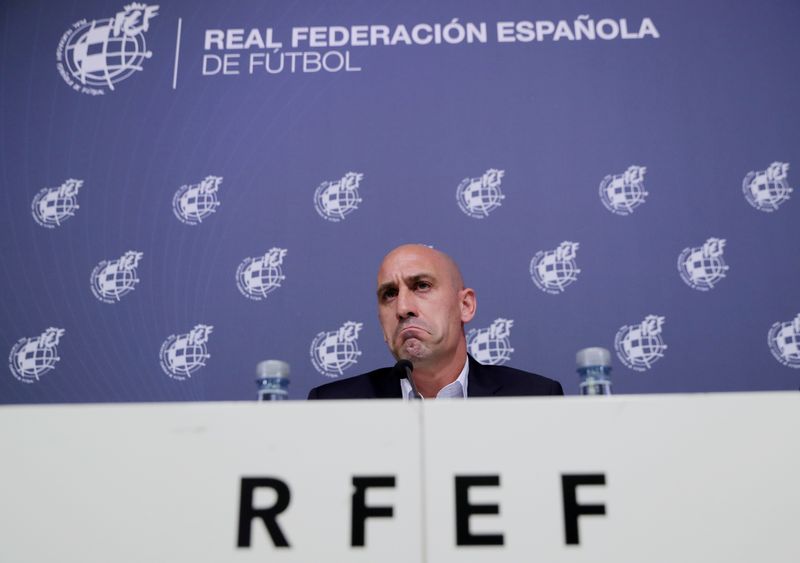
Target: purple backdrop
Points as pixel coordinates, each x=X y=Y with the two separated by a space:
x=165 y=226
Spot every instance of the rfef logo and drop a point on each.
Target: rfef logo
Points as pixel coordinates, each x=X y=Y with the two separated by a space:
x=111 y=280
x=704 y=266
x=622 y=193
x=52 y=206
x=193 y=203
x=336 y=200
x=477 y=197
x=183 y=354
x=767 y=189
x=784 y=342
x=93 y=56
x=30 y=358
x=334 y=351
x=259 y=276
x=491 y=345
x=553 y=270
x=640 y=346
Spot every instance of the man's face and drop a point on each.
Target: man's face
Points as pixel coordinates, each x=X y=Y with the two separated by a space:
x=422 y=305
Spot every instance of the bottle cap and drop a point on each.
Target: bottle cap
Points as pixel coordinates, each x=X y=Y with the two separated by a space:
x=272 y=368
x=593 y=357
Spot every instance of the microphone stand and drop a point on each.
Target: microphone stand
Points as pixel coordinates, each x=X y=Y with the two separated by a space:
x=403 y=369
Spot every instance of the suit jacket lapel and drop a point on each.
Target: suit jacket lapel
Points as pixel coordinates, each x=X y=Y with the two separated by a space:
x=386 y=385
x=481 y=383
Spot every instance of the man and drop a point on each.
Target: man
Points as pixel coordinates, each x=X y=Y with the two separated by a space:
x=423 y=306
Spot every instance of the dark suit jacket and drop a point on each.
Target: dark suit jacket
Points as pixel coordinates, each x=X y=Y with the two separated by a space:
x=483 y=381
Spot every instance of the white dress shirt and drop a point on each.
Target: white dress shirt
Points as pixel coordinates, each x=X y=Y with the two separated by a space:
x=455 y=390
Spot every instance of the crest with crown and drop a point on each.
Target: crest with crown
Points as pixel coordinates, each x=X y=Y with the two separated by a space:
x=336 y=200
x=52 y=206
x=640 y=346
x=477 y=197
x=335 y=351
x=491 y=345
x=31 y=358
x=183 y=354
x=784 y=342
x=622 y=193
x=704 y=266
x=553 y=270
x=111 y=280
x=767 y=190
x=193 y=203
x=93 y=56
x=259 y=276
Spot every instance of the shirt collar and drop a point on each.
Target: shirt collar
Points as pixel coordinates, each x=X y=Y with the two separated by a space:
x=455 y=390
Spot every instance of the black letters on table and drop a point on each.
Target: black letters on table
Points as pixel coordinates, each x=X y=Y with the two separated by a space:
x=360 y=511
x=247 y=512
x=569 y=484
x=464 y=510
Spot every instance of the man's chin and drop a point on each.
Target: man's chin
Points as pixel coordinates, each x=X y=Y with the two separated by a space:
x=413 y=350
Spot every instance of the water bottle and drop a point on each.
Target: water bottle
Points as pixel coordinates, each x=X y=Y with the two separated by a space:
x=594 y=369
x=272 y=380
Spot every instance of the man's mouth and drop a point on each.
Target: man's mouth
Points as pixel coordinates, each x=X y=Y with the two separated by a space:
x=411 y=331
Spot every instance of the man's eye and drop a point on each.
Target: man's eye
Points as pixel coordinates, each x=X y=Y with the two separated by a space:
x=423 y=285
x=388 y=294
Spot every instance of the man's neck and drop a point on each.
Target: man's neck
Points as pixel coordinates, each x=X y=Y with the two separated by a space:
x=429 y=379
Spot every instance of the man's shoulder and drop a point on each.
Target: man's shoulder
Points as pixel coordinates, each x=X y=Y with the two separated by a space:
x=484 y=381
x=376 y=384
x=504 y=381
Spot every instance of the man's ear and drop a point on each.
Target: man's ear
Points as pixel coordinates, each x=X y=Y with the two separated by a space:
x=468 y=304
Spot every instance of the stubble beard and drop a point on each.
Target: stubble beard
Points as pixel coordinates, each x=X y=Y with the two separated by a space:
x=414 y=350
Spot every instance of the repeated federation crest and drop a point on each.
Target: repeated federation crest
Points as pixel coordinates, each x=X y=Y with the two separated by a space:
x=622 y=193
x=93 y=56
x=259 y=276
x=183 y=354
x=767 y=189
x=111 y=280
x=334 y=351
x=784 y=342
x=640 y=346
x=336 y=200
x=52 y=206
x=491 y=345
x=477 y=197
x=703 y=267
x=194 y=203
x=30 y=358
x=553 y=270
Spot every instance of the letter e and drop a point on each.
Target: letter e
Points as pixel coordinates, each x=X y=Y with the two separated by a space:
x=464 y=510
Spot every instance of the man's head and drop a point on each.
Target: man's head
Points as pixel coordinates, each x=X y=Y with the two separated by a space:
x=423 y=305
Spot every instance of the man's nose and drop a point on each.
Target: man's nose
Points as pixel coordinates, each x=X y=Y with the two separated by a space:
x=406 y=304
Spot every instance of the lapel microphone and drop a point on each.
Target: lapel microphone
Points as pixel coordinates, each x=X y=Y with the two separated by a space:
x=403 y=369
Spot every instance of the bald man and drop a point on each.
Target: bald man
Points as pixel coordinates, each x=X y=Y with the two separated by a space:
x=423 y=306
